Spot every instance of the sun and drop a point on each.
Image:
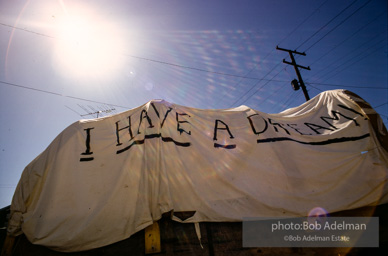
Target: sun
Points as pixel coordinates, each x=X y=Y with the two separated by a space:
x=87 y=46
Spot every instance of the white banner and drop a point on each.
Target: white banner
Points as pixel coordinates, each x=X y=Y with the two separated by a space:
x=102 y=180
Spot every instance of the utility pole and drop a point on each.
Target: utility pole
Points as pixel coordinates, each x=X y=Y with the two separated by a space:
x=294 y=82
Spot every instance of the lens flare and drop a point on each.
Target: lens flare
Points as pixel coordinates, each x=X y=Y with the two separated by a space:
x=88 y=46
x=317 y=215
x=317 y=211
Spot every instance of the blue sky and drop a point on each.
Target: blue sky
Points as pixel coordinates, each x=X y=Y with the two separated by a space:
x=60 y=60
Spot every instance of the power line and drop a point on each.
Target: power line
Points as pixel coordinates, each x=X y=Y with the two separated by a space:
x=126 y=107
x=349 y=86
x=338 y=24
x=306 y=82
x=293 y=99
x=381 y=105
x=384 y=115
x=304 y=21
x=308 y=39
x=300 y=24
x=27 y=30
x=330 y=65
x=340 y=58
x=269 y=96
x=58 y=94
x=250 y=89
x=239 y=82
x=159 y=61
x=376 y=18
x=88 y=100
x=208 y=71
x=315 y=88
x=250 y=96
x=200 y=69
x=363 y=57
x=180 y=66
x=289 y=97
x=318 y=32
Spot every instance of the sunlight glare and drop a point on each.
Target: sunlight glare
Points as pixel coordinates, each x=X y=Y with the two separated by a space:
x=88 y=47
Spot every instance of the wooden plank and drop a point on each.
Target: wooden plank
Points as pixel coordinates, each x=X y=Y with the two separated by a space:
x=152 y=239
x=8 y=246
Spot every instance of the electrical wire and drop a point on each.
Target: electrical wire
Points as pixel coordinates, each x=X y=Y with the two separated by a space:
x=159 y=61
x=316 y=32
x=300 y=24
x=304 y=21
x=214 y=72
x=200 y=69
x=339 y=24
x=314 y=87
x=27 y=30
x=242 y=79
x=250 y=96
x=58 y=94
x=356 y=32
x=330 y=65
x=313 y=34
x=349 y=86
x=381 y=105
x=354 y=62
x=221 y=73
x=252 y=87
x=270 y=95
x=285 y=101
x=293 y=99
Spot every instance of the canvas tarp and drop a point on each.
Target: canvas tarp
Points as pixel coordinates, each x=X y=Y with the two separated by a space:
x=102 y=180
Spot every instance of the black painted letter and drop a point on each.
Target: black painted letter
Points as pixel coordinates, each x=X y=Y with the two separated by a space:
x=253 y=126
x=181 y=130
x=119 y=129
x=88 y=150
x=216 y=145
x=141 y=120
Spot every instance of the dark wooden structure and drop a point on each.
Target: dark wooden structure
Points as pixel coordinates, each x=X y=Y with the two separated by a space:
x=217 y=239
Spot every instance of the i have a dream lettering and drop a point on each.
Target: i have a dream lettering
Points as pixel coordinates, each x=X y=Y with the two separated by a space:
x=174 y=126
